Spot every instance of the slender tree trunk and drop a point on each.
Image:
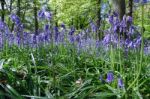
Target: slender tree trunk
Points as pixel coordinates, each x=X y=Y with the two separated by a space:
x=130 y=7
x=36 y=18
x=122 y=7
x=81 y=22
x=56 y=23
x=12 y=26
x=24 y=13
x=3 y=10
x=18 y=7
x=99 y=13
x=99 y=19
x=77 y=22
x=72 y=21
x=10 y=9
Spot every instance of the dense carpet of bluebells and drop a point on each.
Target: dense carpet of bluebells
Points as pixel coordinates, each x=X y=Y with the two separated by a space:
x=120 y=34
x=64 y=63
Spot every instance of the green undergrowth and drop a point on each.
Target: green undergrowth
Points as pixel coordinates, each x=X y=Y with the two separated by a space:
x=60 y=72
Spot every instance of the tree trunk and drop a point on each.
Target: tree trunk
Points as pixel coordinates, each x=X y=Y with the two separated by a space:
x=72 y=21
x=99 y=13
x=119 y=6
x=3 y=10
x=99 y=20
x=35 y=18
x=130 y=7
x=18 y=7
x=56 y=23
x=77 y=22
x=12 y=26
x=24 y=13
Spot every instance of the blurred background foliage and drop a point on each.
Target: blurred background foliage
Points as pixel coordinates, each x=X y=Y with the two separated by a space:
x=71 y=12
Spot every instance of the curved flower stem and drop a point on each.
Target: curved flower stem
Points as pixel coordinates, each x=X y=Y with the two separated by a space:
x=142 y=43
x=141 y=53
x=112 y=54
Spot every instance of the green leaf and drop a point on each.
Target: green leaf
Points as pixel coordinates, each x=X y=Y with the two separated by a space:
x=1 y=64
x=104 y=94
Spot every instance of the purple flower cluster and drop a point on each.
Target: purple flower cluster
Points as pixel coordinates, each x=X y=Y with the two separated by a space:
x=43 y=14
x=110 y=79
x=4 y=27
x=122 y=33
x=120 y=83
x=57 y=35
x=93 y=26
x=141 y=1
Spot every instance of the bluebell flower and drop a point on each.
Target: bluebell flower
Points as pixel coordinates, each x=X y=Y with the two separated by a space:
x=46 y=28
x=110 y=77
x=46 y=37
x=25 y=38
x=93 y=27
x=130 y=45
x=48 y=15
x=78 y=38
x=63 y=26
x=41 y=38
x=111 y=19
x=144 y=1
x=115 y=28
x=106 y=39
x=72 y=39
x=116 y=14
x=147 y=50
x=138 y=41
x=34 y=39
x=87 y=30
x=2 y=25
x=43 y=14
x=123 y=23
x=136 y=1
x=120 y=83
x=15 y=19
x=56 y=29
x=18 y=42
x=129 y=19
x=19 y=26
x=10 y=38
x=141 y=1
x=72 y=31
x=56 y=33
x=131 y=30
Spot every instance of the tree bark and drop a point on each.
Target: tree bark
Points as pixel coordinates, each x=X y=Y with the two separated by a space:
x=18 y=7
x=24 y=12
x=99 y=19
x=99 y=13
x=12 y=26
x=36 y=18
x=130 y=8
x=3 y=10
x=56 y=23
x=119 y=6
